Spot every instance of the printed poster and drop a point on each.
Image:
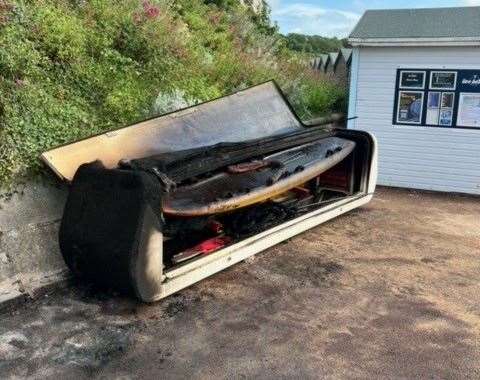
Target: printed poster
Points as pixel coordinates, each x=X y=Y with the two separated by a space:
x=469 y=110
x=410 y=105
x=412 y=79
x=446 y=117
x=443 y=80
x=447 y=99
x=433 y=108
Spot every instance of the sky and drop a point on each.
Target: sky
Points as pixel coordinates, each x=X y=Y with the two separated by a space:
x=338 y=17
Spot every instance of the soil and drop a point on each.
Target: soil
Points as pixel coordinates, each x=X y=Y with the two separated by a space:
x=390 y=290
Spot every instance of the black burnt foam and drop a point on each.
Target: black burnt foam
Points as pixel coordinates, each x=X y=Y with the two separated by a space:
x=102 y=222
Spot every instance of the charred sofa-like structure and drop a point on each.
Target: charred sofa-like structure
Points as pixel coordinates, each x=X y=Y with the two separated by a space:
x=159 y=205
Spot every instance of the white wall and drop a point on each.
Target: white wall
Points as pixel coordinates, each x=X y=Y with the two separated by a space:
x=409 y=156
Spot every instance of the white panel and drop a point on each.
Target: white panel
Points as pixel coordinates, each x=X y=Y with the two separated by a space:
x=417 y=157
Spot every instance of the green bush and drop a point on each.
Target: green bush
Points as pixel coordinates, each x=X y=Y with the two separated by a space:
x=58 y=34
x=73 y=68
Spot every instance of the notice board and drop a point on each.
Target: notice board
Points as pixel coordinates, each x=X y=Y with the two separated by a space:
x=437 y=98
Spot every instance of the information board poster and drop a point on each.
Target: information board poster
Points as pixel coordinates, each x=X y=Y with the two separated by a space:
x=433 y=108
x=446 y=98
x=412 y=79
x=410 y=107
x=469 y=110
x=443 y=80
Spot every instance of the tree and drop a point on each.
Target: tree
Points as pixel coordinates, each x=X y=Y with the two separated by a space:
x=314 y=45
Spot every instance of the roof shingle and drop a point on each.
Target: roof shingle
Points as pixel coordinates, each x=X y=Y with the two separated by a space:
x=461 y=22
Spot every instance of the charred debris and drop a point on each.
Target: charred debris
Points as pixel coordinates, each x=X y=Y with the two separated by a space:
x=189 y=237
x=107 y=210
x=148 y=203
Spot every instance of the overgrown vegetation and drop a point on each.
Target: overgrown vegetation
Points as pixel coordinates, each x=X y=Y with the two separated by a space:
x=72 y=68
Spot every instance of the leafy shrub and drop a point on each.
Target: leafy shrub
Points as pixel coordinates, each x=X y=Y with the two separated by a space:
x=58 y=33
x=73 y=68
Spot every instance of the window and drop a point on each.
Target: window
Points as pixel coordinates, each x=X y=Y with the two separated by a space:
x=437 y=98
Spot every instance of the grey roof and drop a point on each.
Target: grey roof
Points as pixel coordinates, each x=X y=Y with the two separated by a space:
x=461 y=22
x=333 y=57
x=346 y=54
x=323 y=60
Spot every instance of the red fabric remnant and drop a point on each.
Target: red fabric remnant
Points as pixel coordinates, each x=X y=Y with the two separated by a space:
x=204 y=248
x=209 y=245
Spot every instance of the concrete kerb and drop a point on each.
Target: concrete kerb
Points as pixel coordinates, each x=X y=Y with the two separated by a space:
x=30 y=259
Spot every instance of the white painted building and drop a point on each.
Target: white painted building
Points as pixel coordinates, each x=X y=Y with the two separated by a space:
x=415 y=84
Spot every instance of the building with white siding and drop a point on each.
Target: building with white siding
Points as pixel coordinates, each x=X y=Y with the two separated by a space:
x=415 y=84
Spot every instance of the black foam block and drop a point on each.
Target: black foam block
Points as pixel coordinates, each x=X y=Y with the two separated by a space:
x=102 y=222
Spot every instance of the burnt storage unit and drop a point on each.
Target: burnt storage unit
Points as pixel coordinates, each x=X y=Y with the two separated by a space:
x=415 y=84
x=159 y=205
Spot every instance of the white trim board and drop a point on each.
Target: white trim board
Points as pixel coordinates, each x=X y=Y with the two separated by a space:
x=352 y=98
x=434 y=41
